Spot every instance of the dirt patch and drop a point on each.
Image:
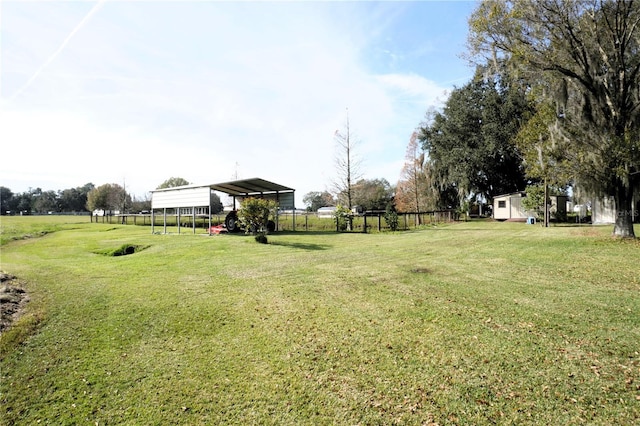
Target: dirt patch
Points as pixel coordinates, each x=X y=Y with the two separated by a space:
x=13 y=298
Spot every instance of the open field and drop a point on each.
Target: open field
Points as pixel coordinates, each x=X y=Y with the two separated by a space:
x=468 y=323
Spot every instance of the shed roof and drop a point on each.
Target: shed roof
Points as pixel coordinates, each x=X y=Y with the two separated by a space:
x=511 y=194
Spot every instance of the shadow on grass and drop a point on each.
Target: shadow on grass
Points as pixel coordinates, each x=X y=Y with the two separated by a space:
x=305 y=232
x=302 y=246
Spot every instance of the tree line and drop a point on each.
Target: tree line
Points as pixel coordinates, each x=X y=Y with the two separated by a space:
x=110 y=197
x=41 y=201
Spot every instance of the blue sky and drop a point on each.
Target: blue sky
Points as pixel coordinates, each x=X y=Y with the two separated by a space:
x=140 y=91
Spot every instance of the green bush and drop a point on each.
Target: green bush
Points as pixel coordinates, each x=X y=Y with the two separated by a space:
x=391 y=217
x=344 y=218
x=262 y=239
x=255 y=213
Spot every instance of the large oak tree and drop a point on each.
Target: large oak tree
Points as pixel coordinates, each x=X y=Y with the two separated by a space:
x=588 y=54
x=470 y=142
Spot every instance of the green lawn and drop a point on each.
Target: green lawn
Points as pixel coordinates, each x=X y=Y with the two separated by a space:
x=469 y=323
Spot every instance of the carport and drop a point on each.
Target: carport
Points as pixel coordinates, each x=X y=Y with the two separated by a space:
x=195 y=200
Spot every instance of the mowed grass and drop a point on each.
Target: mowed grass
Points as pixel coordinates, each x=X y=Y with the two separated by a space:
x=470 y=323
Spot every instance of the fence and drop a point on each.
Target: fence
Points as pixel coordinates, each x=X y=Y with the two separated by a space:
x=368 y=221
x=307 y=221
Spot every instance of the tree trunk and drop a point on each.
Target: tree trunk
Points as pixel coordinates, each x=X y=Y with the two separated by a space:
x=623 y=199
x=546 y=203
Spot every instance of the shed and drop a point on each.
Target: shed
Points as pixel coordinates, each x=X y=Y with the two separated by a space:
x=509 y=207
x=195 y=200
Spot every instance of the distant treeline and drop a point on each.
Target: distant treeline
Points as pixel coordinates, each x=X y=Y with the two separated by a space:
x=37 y=201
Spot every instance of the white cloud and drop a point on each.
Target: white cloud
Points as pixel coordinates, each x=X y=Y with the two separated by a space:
x=144 y=91
x=414 y=88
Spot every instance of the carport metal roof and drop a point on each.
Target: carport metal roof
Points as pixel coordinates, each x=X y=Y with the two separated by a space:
x=247 y=187
x=241 y=188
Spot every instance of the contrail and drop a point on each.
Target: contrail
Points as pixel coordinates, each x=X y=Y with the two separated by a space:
x=59 y=49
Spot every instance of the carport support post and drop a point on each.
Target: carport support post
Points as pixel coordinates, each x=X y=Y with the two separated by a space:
x=165 y=220
x=194 y=220
x=152 y=221
x=178 y=218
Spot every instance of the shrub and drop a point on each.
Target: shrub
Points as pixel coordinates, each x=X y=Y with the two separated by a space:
x=261 y=238
x=344 y=218
x=391 y=217
x=255 y=213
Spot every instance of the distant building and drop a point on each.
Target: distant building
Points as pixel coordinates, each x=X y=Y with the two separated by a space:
x=509 y=207
x=326 y=212
x=101 y=212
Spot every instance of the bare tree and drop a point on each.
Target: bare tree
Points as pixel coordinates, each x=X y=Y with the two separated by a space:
x=347 y=163
x=413 y=192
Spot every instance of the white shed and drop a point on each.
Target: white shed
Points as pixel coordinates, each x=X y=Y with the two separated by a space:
x=509 y=207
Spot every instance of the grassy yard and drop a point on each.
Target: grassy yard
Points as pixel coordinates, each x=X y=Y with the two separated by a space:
x=469 y=323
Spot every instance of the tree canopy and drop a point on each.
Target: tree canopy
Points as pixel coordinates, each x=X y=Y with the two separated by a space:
x=470 y=143
x=172 y=182
x=109 y=196
x=585 y=55
x=372 y=194
x=315 y=200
